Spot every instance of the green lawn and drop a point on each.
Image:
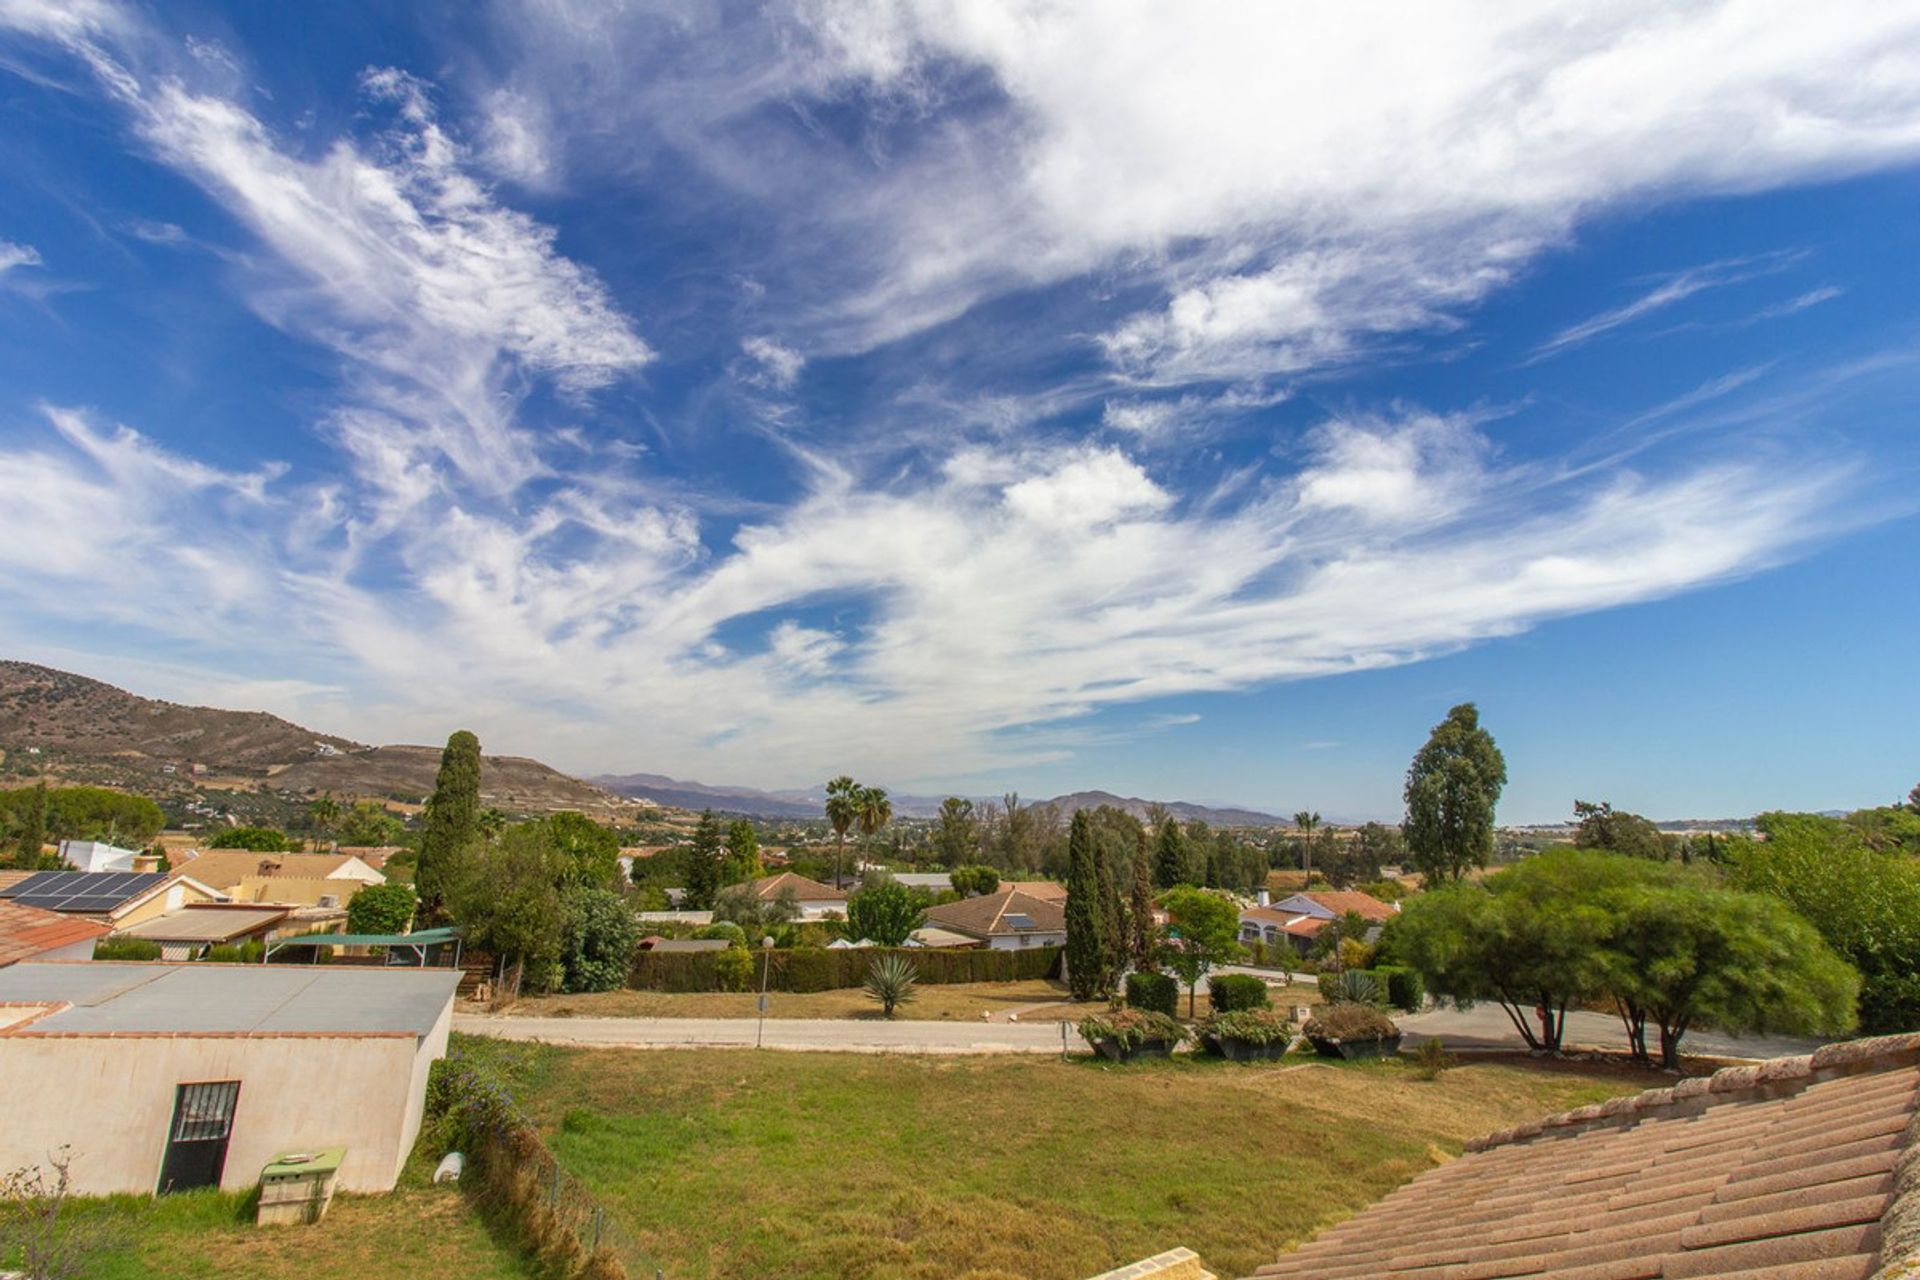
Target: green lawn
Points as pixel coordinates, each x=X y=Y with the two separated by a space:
x=418 y=1231
x=744 y=1165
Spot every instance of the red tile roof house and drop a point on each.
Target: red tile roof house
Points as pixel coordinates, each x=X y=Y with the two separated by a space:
x=31 y=933
x=816 y=900
x=1802 y=1168
x=1300 y=917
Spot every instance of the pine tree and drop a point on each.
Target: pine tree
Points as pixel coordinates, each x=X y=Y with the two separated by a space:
x=703 y=864
x=1140 y=909
x=1170 y=855
x=453 y=822
x=1086 y=960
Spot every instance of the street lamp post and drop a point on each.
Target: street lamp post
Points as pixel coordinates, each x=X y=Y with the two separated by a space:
x=766 y=966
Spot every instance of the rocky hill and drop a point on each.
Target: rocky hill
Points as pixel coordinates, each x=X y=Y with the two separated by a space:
x=245 y=763
x=1182 y=810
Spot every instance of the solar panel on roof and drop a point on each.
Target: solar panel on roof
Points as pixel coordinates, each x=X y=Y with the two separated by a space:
x=1018 y=920
x=81 y=891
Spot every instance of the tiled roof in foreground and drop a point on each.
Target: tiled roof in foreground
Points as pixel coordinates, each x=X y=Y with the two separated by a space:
x=1796 y=1169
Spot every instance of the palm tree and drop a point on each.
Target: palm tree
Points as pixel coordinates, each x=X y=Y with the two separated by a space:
x=873 y=811
x=323 y=813
x=1307 y=822
x=843 y=808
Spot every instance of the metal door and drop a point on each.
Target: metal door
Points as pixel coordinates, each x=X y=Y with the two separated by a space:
x=197 y=1139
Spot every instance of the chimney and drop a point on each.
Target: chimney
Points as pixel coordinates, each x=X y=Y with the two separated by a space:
x=146 y=862
x=1266 y=898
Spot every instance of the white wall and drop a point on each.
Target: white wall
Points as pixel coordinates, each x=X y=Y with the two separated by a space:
x=1026 y=941
x=110 y=1098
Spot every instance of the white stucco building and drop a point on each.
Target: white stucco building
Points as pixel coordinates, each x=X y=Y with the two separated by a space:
x=165 y=1077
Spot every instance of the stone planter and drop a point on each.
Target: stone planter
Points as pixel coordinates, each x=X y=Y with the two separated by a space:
x=1236 y=1050
x=1353 y=1050
x=1113 y=1051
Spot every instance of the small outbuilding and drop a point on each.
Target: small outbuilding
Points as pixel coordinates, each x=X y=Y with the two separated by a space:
x=162 y=1077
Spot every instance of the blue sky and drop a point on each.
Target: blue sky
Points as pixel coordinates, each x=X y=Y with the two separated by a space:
x=1193 y=403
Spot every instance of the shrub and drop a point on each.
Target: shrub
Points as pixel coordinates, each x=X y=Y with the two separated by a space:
x=1355 y=954
x=1350 y=986
x=1350 y=1020
x=732 y=932
x=890 y=981
x=1405 y=989
x=225 y=953
x=126 y=949
x=601 y=933
x=1131 y=1028
x=733 y=969
x=1255 y=1026
x=1154 y=992
x=1230 y=992
x=381 y=908
x=1430 y=1059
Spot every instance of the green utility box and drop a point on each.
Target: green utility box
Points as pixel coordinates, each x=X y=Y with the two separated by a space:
x=298 y=1186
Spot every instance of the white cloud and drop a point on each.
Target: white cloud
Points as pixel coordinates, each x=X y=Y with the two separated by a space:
x=1674 y=289
x=1096 y=489
x=17 y=255
x=779 y=365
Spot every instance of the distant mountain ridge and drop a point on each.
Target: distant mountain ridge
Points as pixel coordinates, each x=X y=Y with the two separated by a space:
x=755 y=803
x=94 y=731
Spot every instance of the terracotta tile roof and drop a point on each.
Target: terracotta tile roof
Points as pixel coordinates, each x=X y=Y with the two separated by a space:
x=26 y=932
x=986 y=916
x=224 y=868
x=1051 y=890
x=768 y=888
x=1796 y=1169
x=1342 y=901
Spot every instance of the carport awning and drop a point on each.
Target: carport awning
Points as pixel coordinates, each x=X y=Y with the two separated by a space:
x=423 y=938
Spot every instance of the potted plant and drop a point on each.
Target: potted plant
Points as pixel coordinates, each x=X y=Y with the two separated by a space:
x=1247 y=1035
x=1352 y=1030
x=1121 y=1035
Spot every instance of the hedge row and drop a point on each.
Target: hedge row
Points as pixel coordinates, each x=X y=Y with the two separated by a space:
x=1231 y=992
x=1155 y=992
x=818 y=969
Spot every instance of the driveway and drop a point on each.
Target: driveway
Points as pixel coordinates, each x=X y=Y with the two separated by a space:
x=1486 y=1026
x=817 y=1035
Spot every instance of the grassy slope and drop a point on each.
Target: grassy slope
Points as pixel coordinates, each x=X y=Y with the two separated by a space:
x=419 y=1230
x=964 y=1001
x=736 y=1164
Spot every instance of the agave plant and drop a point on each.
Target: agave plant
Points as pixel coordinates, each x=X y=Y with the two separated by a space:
x=890 y=980
x=1355 y=987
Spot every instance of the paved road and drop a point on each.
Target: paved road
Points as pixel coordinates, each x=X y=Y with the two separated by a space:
x=1486 y=1026
x=820 y=1035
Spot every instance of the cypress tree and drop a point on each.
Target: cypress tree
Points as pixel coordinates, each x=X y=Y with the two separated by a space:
x=1140 y=909
x=33 y=827
x=453 y=822
x=743 y=853
x=1170 y=856
x=1086 y=958
x=703 y=864
x=1113 y=913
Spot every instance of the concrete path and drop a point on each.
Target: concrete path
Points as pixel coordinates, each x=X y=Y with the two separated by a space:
x=819 y=1035
x=1486 y=1026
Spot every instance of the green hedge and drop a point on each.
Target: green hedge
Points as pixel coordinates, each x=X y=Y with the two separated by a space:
x=1403 y=987
x=818 y=969
x=1230 y=992
x=1156 y=992
x=126 y=949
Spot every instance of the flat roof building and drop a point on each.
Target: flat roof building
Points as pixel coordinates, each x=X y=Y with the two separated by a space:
x=163 y=1077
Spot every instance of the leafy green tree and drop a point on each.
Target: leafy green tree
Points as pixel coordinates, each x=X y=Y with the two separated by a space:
x=1617 y=831
x=453 y=813
x=369 y=823
x=843 y=810
x=1682 y=953
x=957 y=839
x=85 y=813
x=1452 y=788
x=589 y=854
x=1203 y=932
x=1374 y=845
x=258 y=839
x=33 y=826
x=1531 y=938
x=703 y=864
x=1170 y=855
x=1086 y=911
x=887 y=914
x=743 y=853
x=505 y=894
x=1866 y=904
x=601 y=933
x=382 y=908
x=974 y=881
